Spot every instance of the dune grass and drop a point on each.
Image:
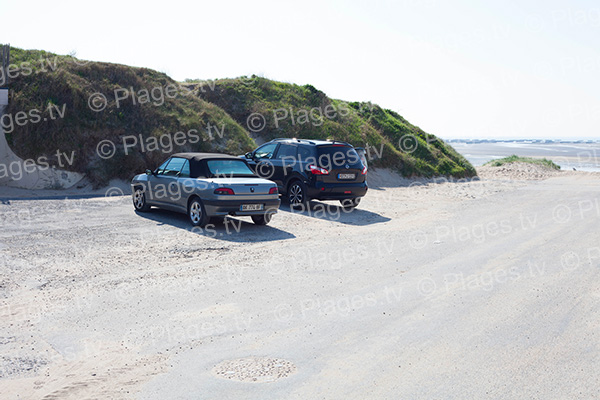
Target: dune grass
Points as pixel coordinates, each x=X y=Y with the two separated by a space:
x=48 y=79
x=69 y=82
x=392 y=141
x=529 y=160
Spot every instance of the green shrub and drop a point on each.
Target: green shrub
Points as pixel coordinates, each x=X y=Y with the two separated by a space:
x=514 y=158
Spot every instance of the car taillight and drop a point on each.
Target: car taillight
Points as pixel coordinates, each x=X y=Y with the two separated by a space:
x=273 y=190
x=223 y=191
x=364 y=170
x=317 y=170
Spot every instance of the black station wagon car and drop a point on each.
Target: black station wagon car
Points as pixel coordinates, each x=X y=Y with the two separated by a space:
x=205 y=185
x=312 y=169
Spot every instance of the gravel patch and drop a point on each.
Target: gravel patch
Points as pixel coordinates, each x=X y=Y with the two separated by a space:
x=19 y=366
x=255 y=369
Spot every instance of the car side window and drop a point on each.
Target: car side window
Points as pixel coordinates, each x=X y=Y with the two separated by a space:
x=286 y=151
x=174 y=167
x=265 y=151
x=185 y=170
x=303 y=153
x=160 y=170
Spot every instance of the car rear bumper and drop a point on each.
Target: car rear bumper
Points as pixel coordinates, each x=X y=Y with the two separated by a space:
x=233 y=207
x=336 y=191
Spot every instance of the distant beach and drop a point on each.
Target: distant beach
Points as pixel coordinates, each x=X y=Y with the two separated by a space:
x=579 y=155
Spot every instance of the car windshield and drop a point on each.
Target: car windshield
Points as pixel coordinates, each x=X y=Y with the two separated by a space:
x=228 y=168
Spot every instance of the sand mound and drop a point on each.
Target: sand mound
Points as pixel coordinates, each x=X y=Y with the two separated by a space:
x=517 y=171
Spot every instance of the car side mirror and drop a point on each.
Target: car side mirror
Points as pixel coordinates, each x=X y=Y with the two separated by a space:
x=249 y=155
x=149 y=172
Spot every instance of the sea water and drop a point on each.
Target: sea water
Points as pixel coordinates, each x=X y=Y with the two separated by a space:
x=579 y=156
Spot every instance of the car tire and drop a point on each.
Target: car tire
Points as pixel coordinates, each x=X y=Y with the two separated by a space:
x=262 y=219
x=297 y=195
x=197 y=213
x=349 y=204
x=139 y=200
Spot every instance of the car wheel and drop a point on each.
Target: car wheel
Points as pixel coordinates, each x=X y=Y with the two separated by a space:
x=262 y=219
x=296 y=195
x=349 y=204
x=196 y=213
x=139 y=200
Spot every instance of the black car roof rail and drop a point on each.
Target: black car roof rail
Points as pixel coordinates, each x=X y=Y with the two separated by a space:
x=310 y=141
x=305 y=141
x=294 y=139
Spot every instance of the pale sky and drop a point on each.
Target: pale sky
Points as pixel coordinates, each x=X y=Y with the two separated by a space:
x=457 y=69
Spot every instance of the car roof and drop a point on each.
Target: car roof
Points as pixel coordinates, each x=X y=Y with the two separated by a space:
x=198 y=168
x=313 y=142
x=205 y=156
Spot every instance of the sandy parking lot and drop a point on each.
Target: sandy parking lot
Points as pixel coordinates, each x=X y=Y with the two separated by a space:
x=488 y=289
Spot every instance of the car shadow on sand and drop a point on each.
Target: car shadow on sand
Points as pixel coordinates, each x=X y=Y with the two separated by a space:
x=335 y=213
x=230 y=229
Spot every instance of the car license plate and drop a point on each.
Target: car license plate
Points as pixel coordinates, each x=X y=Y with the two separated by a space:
x=346 y=176
x=251 y=207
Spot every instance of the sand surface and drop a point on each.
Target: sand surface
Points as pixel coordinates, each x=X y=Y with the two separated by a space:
x=482 y=289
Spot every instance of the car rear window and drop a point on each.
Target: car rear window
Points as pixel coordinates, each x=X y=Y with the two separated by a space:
x=336 y=156
x=228 y=168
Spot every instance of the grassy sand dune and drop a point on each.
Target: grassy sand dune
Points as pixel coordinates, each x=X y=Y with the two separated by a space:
x=77 y=105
